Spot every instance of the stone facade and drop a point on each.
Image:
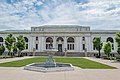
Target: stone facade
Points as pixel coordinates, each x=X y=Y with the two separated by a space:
x=70 y=38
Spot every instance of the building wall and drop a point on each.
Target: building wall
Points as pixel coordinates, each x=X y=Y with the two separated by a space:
x=77 y=34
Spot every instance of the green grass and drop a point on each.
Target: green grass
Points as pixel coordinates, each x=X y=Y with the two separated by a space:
x=1 y=57
x=79 y=62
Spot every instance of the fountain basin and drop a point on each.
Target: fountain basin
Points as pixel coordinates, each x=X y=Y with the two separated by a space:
x=41 y=67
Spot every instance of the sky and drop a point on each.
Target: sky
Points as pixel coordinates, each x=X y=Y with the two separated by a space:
x=24 y=14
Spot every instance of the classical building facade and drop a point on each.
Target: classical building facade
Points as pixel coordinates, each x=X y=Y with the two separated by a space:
x=70 y=38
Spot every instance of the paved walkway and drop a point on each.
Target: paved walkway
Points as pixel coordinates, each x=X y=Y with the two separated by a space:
x=13 y=59
x=12 y=73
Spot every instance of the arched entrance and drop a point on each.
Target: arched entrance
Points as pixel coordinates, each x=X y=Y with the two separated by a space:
x=59 y=43
x=49 y=42
x=70 y=43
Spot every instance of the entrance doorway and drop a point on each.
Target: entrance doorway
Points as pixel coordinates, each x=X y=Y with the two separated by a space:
x=60 y=47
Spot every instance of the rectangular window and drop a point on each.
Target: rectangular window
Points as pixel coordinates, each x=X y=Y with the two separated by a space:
x=67 y=46
x=73 y=46
x=83 y=46
x=36 y=38
x=70 y=46
x=26 y=46
x=93 y=47
x=36 y=46
x=46 y=46
x=112 y=46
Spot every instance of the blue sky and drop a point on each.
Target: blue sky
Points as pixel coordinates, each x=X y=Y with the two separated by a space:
x=24 y=14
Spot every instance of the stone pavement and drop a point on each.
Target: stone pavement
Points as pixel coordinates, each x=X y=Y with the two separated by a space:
x=13 y=73
x=13 y=59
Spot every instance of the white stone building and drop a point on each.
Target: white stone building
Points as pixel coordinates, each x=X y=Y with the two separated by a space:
x=73 y=38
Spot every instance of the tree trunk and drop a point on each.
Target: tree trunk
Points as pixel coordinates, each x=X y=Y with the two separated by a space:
x=19 y=53
x=99 y=55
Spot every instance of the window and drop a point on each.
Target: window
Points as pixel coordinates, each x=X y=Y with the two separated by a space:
x=70 y=39
x=83 y=46
x=60 y=39
x=70 y=46
x=26 y=40
x=26 y=46
x=36 y=38
x=1 y=39
x=112 y=41
x=49 y=43
x=48 y=46
x=93 y=47
x=49 y=39
x=83 y=38
x=70 y=43
x=36 y=46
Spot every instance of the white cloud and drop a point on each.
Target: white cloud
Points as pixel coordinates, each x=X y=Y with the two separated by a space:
x=99 y=14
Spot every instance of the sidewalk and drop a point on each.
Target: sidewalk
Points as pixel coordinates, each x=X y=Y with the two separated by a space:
x=13 y=59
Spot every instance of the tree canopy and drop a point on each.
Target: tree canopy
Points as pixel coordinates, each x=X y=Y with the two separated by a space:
x=21 y=44
x=97 y=43
x=2 y=49
x=9 y=42
x=107 y=48
x=117 y=39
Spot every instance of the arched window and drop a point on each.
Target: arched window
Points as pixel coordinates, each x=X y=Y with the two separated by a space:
x=49 y=43
x=70 y=39
x=1 y=39
x=49 y=39
x=60 y=39
x=111 y=40
x=26 y=39
x=70 y=43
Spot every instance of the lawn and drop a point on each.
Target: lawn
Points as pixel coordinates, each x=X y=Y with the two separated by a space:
x=1 y=57
x=79 y=62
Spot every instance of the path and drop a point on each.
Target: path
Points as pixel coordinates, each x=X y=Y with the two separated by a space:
x=13 y=59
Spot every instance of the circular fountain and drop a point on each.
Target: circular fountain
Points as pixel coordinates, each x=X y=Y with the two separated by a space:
x=50 y=65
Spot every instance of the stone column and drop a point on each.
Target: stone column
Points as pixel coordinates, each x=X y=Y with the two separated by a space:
x=54 y=42
x=65 y=43
x=43 y=47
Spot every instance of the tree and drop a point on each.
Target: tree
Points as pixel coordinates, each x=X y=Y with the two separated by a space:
x=2 y=49
x=9 y=42
x=117 y=39
x=107 y=48
x=15 y=49
x=97 y=45
x=21 y=44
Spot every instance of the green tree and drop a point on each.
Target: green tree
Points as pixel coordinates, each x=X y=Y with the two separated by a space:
x=117 y=39
x=107 y=48
x=2 y=49
x=21 y=44
x=97 y=44
x=15 y=49
x=9 y=42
